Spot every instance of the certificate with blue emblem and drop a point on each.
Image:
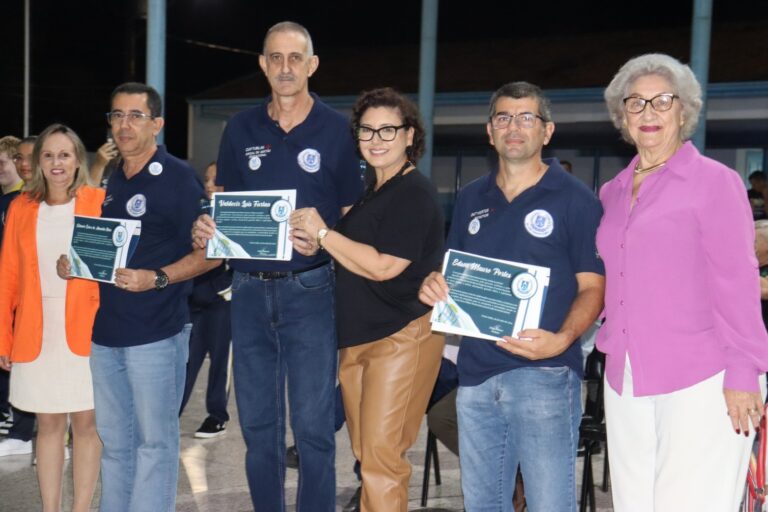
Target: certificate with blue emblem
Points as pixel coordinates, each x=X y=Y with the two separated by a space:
x=490 y=298
x=252 y=225
x=101 y=245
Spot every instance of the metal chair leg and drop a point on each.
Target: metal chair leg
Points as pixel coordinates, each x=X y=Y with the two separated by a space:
x=586 y=471
x=435 y=459
x=606 y=474
x=427 y=467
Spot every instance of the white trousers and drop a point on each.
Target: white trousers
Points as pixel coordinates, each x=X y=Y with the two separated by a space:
x=675 y=452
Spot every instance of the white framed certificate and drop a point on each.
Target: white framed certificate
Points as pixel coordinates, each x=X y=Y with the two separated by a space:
x=252 y=225
x=490 y=298
x=101 y=245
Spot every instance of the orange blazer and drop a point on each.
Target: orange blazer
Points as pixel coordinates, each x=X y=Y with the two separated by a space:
x=21 y=302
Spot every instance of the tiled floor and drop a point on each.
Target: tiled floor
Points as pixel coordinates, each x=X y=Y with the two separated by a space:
x=212 y=477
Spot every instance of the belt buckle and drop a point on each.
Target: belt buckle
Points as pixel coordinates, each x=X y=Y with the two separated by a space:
x=270 y=276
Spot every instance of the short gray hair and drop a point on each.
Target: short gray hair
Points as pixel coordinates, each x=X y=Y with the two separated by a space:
x=290 y=26
x=518 y=90
x=684 y=85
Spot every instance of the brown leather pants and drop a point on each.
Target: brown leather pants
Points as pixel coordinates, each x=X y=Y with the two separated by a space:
x=386 y=385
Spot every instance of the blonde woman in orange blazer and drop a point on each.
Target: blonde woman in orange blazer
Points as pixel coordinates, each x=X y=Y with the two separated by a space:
x=45 y=321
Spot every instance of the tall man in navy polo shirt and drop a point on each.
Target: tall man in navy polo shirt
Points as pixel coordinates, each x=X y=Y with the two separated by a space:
x=519 y=399
x=283 y=322
x=141 y=331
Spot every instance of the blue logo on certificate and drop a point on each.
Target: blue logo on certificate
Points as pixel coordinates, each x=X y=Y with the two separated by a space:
x=119 y=236
x=524 y=286
x=280 y=210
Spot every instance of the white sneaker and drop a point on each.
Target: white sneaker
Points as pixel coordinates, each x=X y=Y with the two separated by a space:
x=6 y=422
x=15 y=447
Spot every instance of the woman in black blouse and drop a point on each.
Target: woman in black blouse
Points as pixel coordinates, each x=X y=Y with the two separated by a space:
x=383 y=248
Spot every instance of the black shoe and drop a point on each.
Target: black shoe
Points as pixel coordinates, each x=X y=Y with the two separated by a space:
x=292 y=457
x=210 y=428
x=353 y=505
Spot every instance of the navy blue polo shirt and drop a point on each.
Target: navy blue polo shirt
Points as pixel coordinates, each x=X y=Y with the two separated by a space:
x=551 y=224
x=165 y=196
x=317 y=158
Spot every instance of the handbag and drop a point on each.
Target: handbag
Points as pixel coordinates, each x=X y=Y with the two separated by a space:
x=754 y=499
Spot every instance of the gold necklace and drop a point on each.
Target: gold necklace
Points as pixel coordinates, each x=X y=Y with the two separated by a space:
x=638 y=170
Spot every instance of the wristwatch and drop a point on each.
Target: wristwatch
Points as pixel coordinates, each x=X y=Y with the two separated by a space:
x=321 y=234
x=161 y=279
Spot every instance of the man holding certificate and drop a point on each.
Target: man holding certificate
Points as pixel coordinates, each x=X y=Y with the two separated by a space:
x=520 y=397
x=283 y=325
x=141 y=330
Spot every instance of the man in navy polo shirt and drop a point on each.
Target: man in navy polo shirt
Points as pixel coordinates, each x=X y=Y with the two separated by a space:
x=141 y=331
x=283 y=325
x=519 y=399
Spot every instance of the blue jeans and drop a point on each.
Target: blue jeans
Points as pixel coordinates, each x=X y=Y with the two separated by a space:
x=285 y=329
x=137 y=393
x=526 y=416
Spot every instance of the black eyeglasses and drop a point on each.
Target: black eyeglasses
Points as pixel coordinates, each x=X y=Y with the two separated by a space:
x=522 y=120
x=660 y=103
x=385 y=133
x=133 y=117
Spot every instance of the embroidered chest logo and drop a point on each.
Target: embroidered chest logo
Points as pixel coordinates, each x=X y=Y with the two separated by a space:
x=309 y=160
x=474 y=224
x=539 y=223
x=136 y=206
x=255 y=154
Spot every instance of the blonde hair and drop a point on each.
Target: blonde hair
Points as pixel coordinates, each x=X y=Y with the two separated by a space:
x=37 y=188
x=9 y=145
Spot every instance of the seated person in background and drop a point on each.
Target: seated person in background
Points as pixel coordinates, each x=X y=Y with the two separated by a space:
x=441 y=413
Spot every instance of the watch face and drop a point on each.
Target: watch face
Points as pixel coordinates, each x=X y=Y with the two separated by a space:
x=161 y=281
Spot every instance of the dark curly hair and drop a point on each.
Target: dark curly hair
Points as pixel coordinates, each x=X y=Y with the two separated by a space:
x=409 y=113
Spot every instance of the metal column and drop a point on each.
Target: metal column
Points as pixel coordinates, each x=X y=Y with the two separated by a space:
x=156 y=16
x=427 y=78
x=700 y=38
x=26 y=67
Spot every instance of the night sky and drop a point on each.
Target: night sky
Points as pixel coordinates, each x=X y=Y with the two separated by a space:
x=81 y=49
